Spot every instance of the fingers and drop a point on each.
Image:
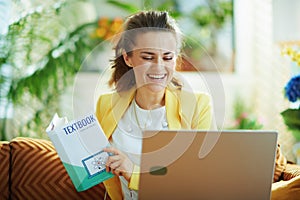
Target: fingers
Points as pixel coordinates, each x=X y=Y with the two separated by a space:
x=117 y=172
x=114 y=167
x=114 y=162
x=118 y=163
x=112 y=150
x=107 y=168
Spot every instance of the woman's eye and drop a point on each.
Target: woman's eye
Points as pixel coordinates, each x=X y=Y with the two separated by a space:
x=147 y=58
x=168 y=58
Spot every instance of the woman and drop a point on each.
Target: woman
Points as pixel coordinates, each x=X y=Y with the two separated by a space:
x=147 y=96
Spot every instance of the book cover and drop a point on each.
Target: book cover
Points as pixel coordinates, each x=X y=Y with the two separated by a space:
x=79 y=145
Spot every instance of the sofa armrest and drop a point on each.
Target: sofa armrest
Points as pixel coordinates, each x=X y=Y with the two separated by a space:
x=38 y=173
x=4 y=169
x=286 y=190
x=289 y=186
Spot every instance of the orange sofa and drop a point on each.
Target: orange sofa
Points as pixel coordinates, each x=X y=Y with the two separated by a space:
x=31 y=169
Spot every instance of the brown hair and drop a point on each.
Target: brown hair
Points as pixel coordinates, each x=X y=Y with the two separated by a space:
x=123 y=77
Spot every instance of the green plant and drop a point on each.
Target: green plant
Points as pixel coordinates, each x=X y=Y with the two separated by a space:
x=291 y=116
x=213 y=13
x=41 y=53
x=243 y=118
x=211 y=17
x=164 y=5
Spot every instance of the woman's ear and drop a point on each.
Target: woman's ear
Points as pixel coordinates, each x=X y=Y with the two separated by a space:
x=126 y=58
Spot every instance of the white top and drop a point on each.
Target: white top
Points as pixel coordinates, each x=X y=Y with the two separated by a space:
x=127 y=136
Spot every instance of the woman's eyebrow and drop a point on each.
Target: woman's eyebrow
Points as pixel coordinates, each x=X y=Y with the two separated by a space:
x=147 y=52
x=151 y=53
x=167 y=53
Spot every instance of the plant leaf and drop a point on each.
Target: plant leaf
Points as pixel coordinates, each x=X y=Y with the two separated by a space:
x=131 y=8
x=292 y=118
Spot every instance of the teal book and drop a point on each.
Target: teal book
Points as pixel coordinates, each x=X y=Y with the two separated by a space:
x=79 y=145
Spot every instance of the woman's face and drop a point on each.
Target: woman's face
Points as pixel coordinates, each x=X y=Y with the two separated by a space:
x=153 y=60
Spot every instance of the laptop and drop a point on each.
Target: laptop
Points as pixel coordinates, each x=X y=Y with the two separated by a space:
x=237 y=165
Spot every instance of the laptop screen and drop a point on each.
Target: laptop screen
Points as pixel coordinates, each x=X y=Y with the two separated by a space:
x=239 y=165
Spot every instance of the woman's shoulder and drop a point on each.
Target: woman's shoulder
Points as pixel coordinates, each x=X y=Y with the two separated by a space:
x=186 y=91
x=105 y=97
x=107 y=94
x=188 y=94
x=203 y=96
x=116 y=96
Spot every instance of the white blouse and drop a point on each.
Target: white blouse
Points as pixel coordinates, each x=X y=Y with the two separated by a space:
x=127 y=136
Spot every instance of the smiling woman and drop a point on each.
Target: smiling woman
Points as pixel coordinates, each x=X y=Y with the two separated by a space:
x=153 y=61
x=147 y=96
x=155 y=32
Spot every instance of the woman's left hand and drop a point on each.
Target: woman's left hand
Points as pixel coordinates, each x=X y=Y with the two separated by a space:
x=119 y=164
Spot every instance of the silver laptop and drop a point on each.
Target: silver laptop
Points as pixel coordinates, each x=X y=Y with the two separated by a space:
x=237 y=165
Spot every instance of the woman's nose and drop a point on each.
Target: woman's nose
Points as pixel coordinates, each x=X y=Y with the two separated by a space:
x=159 y=62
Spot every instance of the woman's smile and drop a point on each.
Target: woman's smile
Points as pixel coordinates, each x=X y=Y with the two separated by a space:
x=157 y=76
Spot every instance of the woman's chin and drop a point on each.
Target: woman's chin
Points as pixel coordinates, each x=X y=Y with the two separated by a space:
x=156 y=88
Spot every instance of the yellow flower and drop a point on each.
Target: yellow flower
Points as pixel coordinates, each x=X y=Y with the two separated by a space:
x=103 y=22
x=107 y=27
x=101 y=32
x=298 y=56
x=292 y=53
x=289 y=51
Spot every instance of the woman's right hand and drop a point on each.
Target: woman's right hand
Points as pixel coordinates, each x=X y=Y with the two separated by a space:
x=119 y=164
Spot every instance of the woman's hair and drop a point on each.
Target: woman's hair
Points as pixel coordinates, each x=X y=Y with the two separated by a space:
x=145 y=21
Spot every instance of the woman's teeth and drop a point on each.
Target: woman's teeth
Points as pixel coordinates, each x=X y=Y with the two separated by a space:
x=156 y=76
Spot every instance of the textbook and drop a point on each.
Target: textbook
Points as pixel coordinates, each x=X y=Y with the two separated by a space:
x=79 y=145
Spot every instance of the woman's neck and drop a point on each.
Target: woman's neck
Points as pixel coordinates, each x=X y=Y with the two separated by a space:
x=148 y=101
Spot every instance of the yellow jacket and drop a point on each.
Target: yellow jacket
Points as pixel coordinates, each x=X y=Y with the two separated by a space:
x=184 y=110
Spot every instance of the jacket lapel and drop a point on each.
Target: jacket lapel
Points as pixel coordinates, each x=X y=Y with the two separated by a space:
x=180 y=106
x=118 y=105
x=173 y=109
x=120 y=102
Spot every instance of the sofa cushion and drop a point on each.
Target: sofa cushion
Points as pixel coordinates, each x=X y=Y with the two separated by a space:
x=4 y=170
x=286 y=190
x=37 y=173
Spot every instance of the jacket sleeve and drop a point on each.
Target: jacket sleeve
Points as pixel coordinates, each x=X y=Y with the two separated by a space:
x=135 y=177
x=113 y=188
x=203 y=115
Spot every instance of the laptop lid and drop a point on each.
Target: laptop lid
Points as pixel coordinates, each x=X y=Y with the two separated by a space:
x=239 y=166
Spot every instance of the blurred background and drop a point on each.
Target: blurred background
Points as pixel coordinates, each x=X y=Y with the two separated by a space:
x=54 y=57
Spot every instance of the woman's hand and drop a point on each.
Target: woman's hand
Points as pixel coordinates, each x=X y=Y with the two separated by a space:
x=119 y=164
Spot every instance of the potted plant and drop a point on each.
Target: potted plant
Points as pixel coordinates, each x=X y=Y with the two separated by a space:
x=40 y=55
x=291 y=115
